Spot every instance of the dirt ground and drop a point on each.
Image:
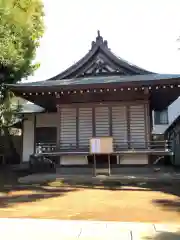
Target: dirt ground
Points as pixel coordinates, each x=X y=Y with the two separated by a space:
x=127 y=203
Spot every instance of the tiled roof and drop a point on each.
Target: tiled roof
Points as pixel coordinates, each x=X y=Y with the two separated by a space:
x=31 y=108
x=99 y=80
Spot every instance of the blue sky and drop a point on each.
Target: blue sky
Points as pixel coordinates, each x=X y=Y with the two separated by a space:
x=143 y=32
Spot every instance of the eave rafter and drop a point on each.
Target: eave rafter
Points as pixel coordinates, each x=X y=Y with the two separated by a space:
x=83 y=90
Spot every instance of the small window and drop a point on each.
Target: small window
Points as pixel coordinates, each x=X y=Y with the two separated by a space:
x=161 y=117
x=46 y=135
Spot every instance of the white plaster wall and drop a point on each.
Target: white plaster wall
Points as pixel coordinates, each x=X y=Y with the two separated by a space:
x=173 y=113
x=47 y=120
x=42 y=120
x=134 y=159
x=174 y=110
x=28 y=137
x=73 y=160
x=159 y=128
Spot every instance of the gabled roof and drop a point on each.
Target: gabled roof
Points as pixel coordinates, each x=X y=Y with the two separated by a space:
x=100 y=61
x=31 y=108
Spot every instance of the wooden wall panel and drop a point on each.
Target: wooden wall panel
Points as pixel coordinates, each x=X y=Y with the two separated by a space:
x=85 y=126
x=102 y=121
x=78 y=123
x=68 y=127
x=119 y=126
x=137 y=126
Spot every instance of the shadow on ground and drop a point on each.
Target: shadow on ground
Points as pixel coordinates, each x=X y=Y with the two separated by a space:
x=171 y=188
x=8 y=200
x=168 y=204
x=60 y=187
x=165 y=236
x=12 y=193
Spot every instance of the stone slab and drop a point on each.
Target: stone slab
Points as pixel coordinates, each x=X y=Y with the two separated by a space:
x=106 y=236
x=100 y=230
x=36 y=229
x=20 y=229
x=167 y=227
x=136 y=230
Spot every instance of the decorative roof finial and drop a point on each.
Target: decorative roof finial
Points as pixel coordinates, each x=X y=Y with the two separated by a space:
x=99 y=38
x=99 y=41
x=98 y=33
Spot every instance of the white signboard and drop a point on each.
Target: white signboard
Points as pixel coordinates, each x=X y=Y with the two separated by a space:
x=95 y=145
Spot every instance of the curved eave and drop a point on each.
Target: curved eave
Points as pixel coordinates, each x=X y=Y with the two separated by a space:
x=123 y=63
x=164 y=89
x=97 y=82
x=75 y=66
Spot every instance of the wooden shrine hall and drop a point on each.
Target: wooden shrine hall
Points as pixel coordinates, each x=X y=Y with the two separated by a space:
x=99 y=96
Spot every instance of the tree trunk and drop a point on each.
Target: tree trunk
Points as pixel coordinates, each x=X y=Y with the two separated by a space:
x=11 y=155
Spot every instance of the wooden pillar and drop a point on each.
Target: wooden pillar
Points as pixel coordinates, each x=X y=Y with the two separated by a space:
x=148 y=129
x=118 y=159
x=35 y=133
x=94 y=135
x=110 y=121
x=109 y=164
x=128 y=125
x=150 y=120
x=77 y=127
x=146 y=132
x=147 y=122
x=58 y=127
x=93 y=122
x=94 y=158
x=22 y=138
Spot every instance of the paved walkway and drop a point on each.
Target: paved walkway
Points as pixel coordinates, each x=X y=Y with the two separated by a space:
x=20 y=229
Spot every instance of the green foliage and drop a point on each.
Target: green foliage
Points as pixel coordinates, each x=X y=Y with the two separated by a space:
x=9 y=112
x=21 y=27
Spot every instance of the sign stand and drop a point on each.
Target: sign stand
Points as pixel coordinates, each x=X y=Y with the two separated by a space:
x=94 y=158
x=101 y=145
x=109 y=164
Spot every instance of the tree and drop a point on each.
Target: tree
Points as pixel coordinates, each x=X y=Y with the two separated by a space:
x=21 y=28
